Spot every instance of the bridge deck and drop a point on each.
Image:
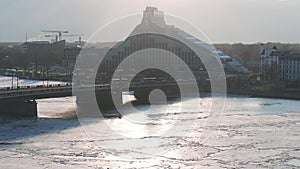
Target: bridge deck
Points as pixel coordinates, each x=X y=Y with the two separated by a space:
x=40 y=92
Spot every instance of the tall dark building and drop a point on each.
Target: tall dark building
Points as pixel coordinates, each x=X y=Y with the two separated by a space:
x=44 y=52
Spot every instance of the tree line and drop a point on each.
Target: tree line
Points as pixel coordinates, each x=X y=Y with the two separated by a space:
x=252 y=51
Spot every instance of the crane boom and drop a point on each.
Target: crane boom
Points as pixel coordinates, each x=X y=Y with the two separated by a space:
x=55 y=31
x=68 y=35
x=58 y=35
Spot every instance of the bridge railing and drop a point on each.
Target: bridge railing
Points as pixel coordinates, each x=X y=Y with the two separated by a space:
x=23 y=90
x=42 y=89
x=33 y=86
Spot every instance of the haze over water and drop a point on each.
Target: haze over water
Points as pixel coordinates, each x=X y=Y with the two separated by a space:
x=252 y=133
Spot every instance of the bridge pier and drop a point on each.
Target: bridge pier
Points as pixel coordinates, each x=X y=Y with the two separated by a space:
x=104 y=102
x=19 y=108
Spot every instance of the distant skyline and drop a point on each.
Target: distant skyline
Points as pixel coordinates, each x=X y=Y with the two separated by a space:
x=222 y=21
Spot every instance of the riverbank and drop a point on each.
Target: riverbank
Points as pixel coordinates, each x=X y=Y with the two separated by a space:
x=293 y=94
x=50 y=78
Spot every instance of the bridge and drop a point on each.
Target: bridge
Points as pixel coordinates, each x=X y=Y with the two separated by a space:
x=42 y=92
x=22 y=101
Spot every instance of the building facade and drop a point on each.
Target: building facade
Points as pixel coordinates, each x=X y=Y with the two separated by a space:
x=289 y=68
x=279 y=65
x=44 y=52
x=70 y=56
x=154 y=33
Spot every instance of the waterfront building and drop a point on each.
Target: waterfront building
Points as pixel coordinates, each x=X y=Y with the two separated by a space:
x=279 y=65
x=70 y=57
x=289 y=67
x=44 y=52
x=153 y=23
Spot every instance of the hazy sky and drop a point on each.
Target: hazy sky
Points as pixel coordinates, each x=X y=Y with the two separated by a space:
x=231 y=21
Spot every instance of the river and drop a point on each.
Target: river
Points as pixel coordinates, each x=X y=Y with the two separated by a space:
x=248 y=133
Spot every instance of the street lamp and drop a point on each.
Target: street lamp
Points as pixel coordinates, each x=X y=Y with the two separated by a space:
x=12 y=79
x=17 y=79
x=47 y=77
x=5 y=60
x=13 y=73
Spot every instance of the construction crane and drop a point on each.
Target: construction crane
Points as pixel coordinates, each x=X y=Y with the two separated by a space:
x=58 y=35
x=68 y=35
